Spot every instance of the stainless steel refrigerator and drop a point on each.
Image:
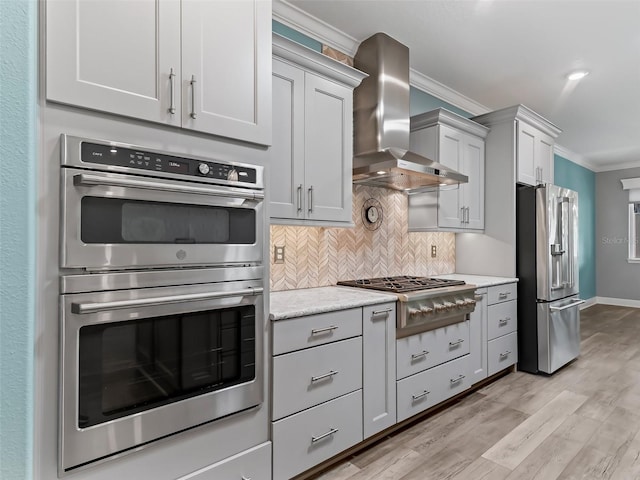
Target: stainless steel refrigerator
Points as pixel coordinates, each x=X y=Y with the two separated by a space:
x=547 y=268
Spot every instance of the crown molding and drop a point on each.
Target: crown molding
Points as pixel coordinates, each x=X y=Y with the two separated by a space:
x=437 y=89
x=299 y=20
x=608 y=167
x=574 y=157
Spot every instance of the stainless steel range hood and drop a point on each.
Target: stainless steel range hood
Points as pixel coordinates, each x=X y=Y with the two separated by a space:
x=381 y=123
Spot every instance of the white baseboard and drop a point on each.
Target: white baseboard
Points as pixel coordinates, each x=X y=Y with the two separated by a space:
x=589 y=302
x=620 y=302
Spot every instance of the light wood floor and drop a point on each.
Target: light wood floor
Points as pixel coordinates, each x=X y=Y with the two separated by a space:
x=583 y=422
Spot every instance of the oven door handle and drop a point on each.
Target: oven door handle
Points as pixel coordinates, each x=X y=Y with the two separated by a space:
x=90 y=179
x=85 y=308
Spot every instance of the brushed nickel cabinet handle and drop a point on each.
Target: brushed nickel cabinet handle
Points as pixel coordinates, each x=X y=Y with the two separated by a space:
x=193 y=97
x=456 y=380
x=324 y=435
x=310 y=191
x=504 y=321
x=503 y=295
x=455 y=344
x=420 y=395
x=380 y=312
x=505 y=354
x=317 y=331
x=172 y=107
x=462 y=214
x=326 y=375
x=415 y=356
x=300 y=197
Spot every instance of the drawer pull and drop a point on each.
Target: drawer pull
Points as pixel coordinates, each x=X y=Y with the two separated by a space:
x=456 y=380
x=415 y=356
x=505 y=354
x=455 y=344
x=380 y=312
x=503 y=295
x=245 y=478
x=326 y=375
x=324 y=435
x=317 y=331
x=420 y=395
x=504 y=321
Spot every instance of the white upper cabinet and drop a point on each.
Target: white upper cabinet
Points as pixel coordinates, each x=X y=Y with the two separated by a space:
x=534 y=155
x=531 y=137
x=457 y=143
x=195 y=64
x=312 y=150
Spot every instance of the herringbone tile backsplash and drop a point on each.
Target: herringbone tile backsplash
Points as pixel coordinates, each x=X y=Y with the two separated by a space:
x=319 y=256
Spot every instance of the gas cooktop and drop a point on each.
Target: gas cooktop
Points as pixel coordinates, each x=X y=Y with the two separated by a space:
x=401 y=284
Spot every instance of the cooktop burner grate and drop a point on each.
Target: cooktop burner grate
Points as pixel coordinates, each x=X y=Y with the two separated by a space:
x=401 y=284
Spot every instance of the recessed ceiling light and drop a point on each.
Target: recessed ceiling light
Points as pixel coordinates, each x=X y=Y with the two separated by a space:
x=577 y=75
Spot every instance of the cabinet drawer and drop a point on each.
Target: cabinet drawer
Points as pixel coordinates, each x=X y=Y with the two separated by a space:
x=298 y=333
x=502 y=318
x=502 y=293
x=425 y=350
x=426 y=389
x=502 y=352
x=310 y=437
x=254 y=463
x=308 y=377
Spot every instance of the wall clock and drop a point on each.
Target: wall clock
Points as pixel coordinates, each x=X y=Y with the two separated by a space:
x=372 y=214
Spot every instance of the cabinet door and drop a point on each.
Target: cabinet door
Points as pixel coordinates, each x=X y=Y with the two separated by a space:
x=379 y=368
x=328 y=149
x=115 y=57
x=226 y=68
x=287 y=151
x=451 y=148
x=473 y=192
x=526 y=148
x=544 y=158
x=478 y=338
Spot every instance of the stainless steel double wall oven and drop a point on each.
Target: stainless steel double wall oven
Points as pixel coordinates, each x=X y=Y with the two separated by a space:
x=161 y=304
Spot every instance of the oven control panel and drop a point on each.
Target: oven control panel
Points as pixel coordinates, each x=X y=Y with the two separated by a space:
x=158 y=162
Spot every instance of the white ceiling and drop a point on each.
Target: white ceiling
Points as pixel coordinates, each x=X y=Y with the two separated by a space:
x=489 y=54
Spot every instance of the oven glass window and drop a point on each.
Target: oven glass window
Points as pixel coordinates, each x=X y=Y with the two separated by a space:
x=114 y=220
x=128 y=367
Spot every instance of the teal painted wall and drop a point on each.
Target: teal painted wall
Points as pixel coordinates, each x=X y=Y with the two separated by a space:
x=582 y=180
x=18 y=108
x=424 y=102
x=296 y=36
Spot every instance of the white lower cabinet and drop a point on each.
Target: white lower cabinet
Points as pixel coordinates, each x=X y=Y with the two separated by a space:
x=314 y=435
x=426 y=389
x=252 y=464
x=502 y=352
x=308 y=377
x=478 y=337
x=378 y=368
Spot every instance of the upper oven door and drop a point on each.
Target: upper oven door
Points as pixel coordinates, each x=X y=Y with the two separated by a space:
x=119 y=221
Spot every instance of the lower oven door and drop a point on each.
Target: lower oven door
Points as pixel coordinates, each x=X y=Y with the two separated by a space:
x=141 y=364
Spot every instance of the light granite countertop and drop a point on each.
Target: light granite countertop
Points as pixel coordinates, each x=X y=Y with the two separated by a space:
x=479 y=281
x=309 y=301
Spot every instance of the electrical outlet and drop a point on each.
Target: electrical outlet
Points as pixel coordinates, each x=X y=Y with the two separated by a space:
x=278 y=254
x=434 y=251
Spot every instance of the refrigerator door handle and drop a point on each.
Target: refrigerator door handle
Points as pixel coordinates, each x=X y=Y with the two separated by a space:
x=575 y=303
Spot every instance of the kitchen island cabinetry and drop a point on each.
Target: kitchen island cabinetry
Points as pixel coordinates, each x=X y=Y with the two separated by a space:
x=458 y=143
x=203 y=66
x=311 y=155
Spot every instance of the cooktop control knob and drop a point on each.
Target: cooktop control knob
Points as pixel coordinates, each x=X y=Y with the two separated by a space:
x=413 y=312
x=469 y=301
x=449 y=305
x=427 y=310
x=203 y=168
x=232 y=175
x=460 y=303
x=439 y=307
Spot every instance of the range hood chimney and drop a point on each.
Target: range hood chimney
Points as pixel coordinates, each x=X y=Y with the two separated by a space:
x=381 y=123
